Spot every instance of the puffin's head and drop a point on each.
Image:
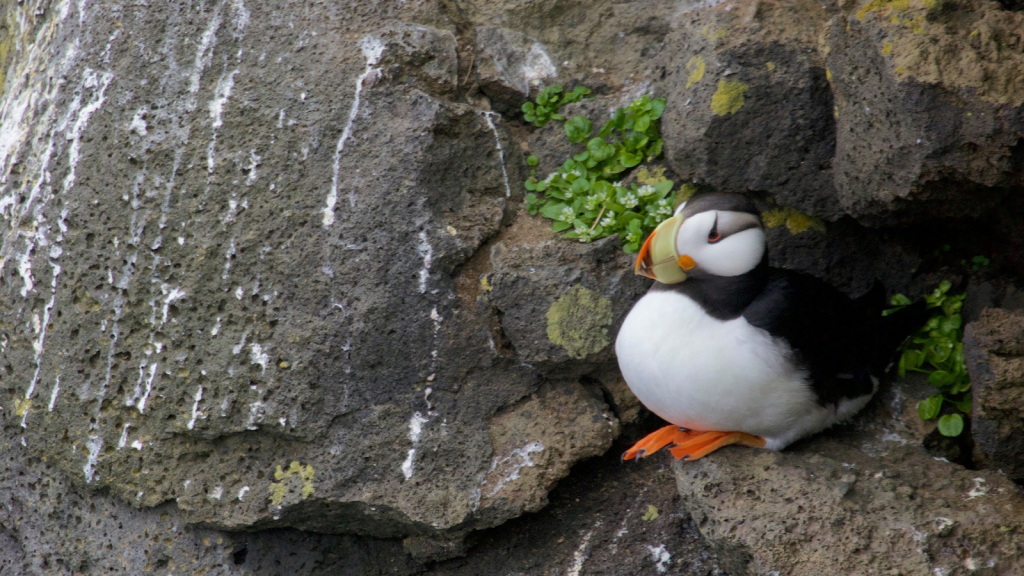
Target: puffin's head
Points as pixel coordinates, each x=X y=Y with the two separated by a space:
x=712 y=234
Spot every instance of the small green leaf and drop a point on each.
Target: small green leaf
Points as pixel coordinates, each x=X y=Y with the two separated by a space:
x=531 y=160
x=553 y=210
x=642 y=124
x=929 y=407
x=951 y=425
x=657 y=108
x=578 y=129
x=559 y=226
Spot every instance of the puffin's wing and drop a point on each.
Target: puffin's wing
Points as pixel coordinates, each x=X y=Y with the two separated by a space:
x=834 y=338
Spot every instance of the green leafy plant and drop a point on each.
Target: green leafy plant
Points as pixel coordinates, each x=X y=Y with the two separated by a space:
x=937 y=350
x=589 y=196
x=549 y=101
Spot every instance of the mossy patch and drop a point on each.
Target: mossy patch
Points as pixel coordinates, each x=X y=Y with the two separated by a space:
x=728 y=99
x=578 y=321
x=651 y=177
x=279 y=489
x=696 y=68
x=792 y=219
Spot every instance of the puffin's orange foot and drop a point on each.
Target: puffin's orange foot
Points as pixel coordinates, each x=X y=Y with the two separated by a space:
x=701 y=444
x=658 y=440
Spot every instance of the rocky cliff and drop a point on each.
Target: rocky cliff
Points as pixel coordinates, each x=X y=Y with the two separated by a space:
x=270 y=302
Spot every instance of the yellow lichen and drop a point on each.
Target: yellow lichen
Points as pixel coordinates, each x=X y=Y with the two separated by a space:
x=696 y=68
x=485 y=283
x=886 y=48
x=901 y=70
x=21 y=406
x=792 y=219
x=685 y=192
x=651 y=177
x=828 y=74
x=770 y=66
x=883 y=5
x=974 y=33
x=578 y=321
x=728 y=99
x=835 y=111
x=279 y=489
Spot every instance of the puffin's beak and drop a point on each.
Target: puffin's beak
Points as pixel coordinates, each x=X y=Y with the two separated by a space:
x=643 y=259
x=658 y=259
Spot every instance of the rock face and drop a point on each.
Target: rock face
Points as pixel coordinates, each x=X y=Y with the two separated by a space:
x=267 y=290
x=863 y=499
x=229 y=272
x=992 y=349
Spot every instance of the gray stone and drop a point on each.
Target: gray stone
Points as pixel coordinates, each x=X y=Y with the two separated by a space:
x=993 y=351
x=748 y=105
x=928 y=117
x=861 y=499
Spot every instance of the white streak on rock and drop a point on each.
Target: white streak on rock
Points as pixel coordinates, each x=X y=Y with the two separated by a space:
x=138 y=124
x=195 y=409
x=501 y=151
x=258 y=356
x=204 y=52
x=53 y=395
x=94 y=445
x=221 y=94
x=241 y=18
x=254 y=161
x=149 y=387
x=90 y=79
x=171 y=295
x=124 y=436
x=372 y=49
x=216 y=493
x=216 y=106
x=661 y=557
x=241 y=493
x=978 y=490
x=137 y=444
x=237 y=349
x=427 y=253
x=216 y=327
x=25 y=271
x=227 y=259
x=514 y=463
x=415 y=431
x=537 y=67
x=580 y=556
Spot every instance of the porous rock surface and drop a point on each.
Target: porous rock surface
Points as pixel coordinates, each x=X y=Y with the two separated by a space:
x=865 y=498
x=269 y=302
x=993 y=346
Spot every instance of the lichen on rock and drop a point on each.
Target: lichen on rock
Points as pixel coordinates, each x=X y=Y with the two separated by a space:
x=728 y=99
x=578 y=322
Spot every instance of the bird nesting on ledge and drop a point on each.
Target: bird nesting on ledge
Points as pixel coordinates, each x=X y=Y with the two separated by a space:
x=732 y=351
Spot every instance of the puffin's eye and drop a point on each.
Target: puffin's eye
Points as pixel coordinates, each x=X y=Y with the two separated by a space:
x=714 y=236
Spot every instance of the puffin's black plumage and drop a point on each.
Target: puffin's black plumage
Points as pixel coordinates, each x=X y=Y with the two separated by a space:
x=842 y=342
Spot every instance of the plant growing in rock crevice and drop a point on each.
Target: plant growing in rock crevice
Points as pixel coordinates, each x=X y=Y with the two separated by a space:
x=588 y=197
x=937 y=350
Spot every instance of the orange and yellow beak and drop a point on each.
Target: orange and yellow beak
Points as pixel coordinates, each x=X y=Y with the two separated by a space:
x=658 y=258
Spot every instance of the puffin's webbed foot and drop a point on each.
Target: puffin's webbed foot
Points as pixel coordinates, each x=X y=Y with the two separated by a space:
x=688 y=444
x=658 y=440
x=703 y=443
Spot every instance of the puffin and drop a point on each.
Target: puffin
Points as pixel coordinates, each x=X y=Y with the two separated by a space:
x=730 y=350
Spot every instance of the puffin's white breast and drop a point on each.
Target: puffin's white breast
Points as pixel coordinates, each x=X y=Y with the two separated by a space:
x=702 y=373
